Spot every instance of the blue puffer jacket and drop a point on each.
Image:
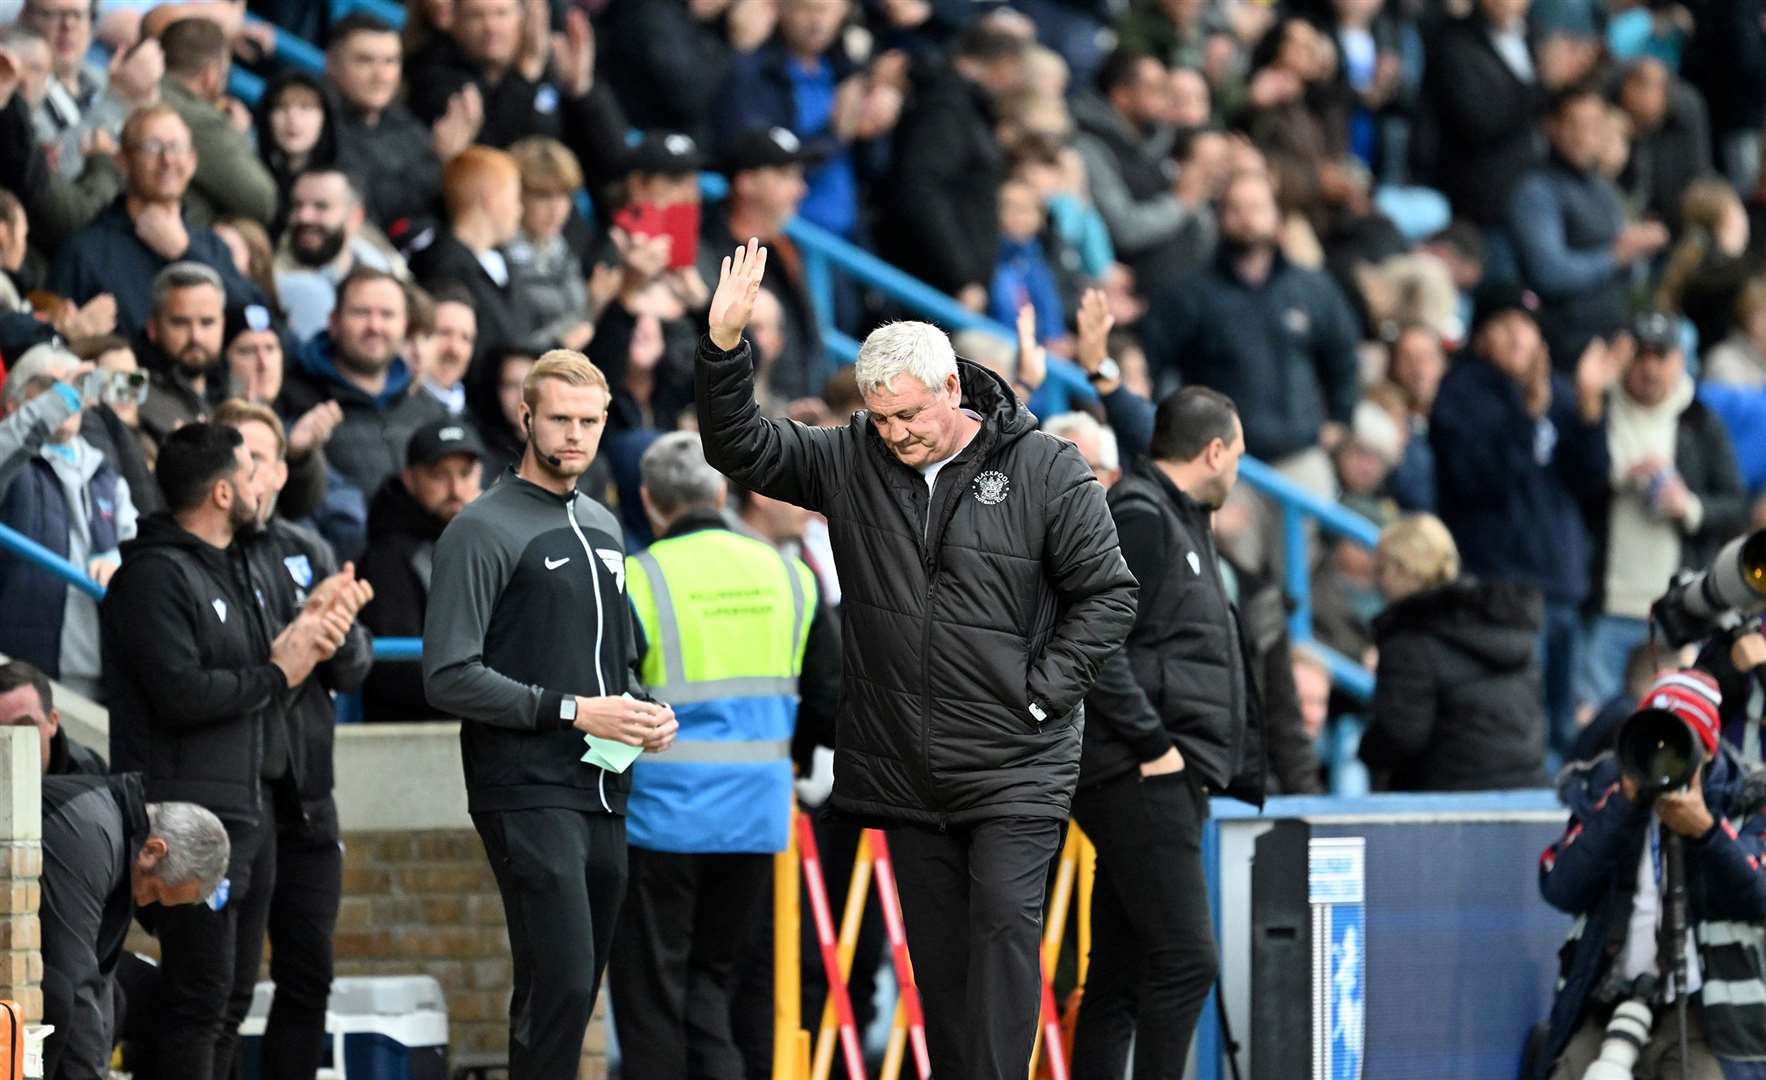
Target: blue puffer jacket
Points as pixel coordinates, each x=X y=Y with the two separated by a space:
x=1590 y=872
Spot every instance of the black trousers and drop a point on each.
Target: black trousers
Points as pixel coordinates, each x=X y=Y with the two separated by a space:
x=303 y=921
x=973 y=897
x=687 y=920
x=1152 y=941
x=209 y=963
x=562 y=874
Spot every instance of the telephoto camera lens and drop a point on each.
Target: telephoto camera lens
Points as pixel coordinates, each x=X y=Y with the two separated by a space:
x=1659 y=749
x=1627 y=1032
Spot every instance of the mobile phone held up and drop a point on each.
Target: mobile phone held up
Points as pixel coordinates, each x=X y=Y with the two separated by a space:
x=677 y=221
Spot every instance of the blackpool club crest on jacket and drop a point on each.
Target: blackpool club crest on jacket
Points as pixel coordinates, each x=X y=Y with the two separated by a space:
x=992 y=487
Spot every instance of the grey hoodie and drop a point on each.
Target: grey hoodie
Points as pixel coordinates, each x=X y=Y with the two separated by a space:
x=75 y=463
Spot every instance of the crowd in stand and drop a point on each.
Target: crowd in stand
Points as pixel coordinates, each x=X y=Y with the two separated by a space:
x=1492 y=273
x=1410 y=238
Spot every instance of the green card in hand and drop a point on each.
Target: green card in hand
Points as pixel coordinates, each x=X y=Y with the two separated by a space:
x=610 y=755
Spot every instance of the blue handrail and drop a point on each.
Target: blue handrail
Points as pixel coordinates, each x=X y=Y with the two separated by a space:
x=823 y=253
x=24 y=547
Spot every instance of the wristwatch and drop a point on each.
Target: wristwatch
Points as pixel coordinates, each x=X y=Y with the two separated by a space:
x=1108 y=371
x=567 y=710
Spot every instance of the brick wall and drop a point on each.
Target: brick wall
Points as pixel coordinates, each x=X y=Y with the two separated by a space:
x=424 y=903
x=21 y=864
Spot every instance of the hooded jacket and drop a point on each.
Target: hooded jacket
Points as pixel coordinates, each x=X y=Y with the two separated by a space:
x=978 y=613
x=92 y=828
x=528 y=608
x=187 y=673
x=71 y=501
x=369 y=445
x=1183 y=679
x=1457 y=700
x=1591 y=872
x=400 y=564
x=287 y=561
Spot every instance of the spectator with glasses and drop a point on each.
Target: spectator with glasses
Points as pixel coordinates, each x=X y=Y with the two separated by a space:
x=82 y=97
x=146 y=230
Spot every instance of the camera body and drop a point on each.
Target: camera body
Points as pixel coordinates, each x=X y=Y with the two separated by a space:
x=1701 y=603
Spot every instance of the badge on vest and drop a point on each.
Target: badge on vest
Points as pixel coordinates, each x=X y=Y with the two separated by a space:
x=615 y=564
x=1195 y=563
x=300 y=569
x=220 y=607
x=992 y=487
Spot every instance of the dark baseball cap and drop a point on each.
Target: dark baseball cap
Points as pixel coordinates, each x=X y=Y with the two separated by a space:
x=1499 y=298
x=765 y=148
x=665 y=154
x=1656 y=332
x=443 y=438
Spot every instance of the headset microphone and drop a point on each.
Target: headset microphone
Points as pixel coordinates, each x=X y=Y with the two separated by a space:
x=550 y=459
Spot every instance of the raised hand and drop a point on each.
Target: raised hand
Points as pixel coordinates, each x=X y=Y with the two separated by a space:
x=574 y=52
x=738 y=284
x=1095 y=324
x=1033 y=360
x=456 y=128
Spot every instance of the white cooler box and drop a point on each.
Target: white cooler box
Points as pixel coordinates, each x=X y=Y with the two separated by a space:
x=388 y=1027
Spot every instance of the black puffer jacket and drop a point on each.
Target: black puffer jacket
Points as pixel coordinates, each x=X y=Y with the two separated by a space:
x=961 y=627
x=1456 y=701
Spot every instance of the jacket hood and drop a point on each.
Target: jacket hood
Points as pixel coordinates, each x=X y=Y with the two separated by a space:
x=1497 y=622
x=161 y=530
x=318 y=359
x=324 y=152
x=1094 y=114
x=81 y=459
x=395 y=511
x=986 y=392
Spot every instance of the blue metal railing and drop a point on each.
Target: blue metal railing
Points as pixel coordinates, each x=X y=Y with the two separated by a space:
x=823 y=254
x=24 y=547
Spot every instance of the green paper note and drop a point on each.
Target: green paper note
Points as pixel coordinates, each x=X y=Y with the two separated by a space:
x=610 y=755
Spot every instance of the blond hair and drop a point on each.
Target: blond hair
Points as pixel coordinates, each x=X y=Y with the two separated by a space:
x=1421 y=545
x=236 y=411
x=565 y=365
x=547 y=166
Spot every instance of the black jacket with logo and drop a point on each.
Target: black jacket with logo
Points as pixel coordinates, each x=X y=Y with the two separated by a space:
x=977 y=615
x=1182 y=679
x=287 y=561
x=527 y=606
x=187 y=673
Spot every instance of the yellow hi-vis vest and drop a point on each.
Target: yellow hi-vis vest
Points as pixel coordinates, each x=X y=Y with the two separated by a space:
x=726 y=621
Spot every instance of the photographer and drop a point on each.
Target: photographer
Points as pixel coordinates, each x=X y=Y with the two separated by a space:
x=1608 y=869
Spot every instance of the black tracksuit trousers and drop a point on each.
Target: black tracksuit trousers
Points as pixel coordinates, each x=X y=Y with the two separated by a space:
x=973 y=897
x=1152 y=950
x=209 y=962
x=562 y=875
x=303 y=923
x=686 y=922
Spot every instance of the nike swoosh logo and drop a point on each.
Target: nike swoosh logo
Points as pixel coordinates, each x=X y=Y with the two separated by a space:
x=553 y=564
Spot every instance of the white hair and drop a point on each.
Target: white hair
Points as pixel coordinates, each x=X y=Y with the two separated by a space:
x=918 y=349
x=40 y=366
x=675 y=473
x=1069 y=425
x=197 y=848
